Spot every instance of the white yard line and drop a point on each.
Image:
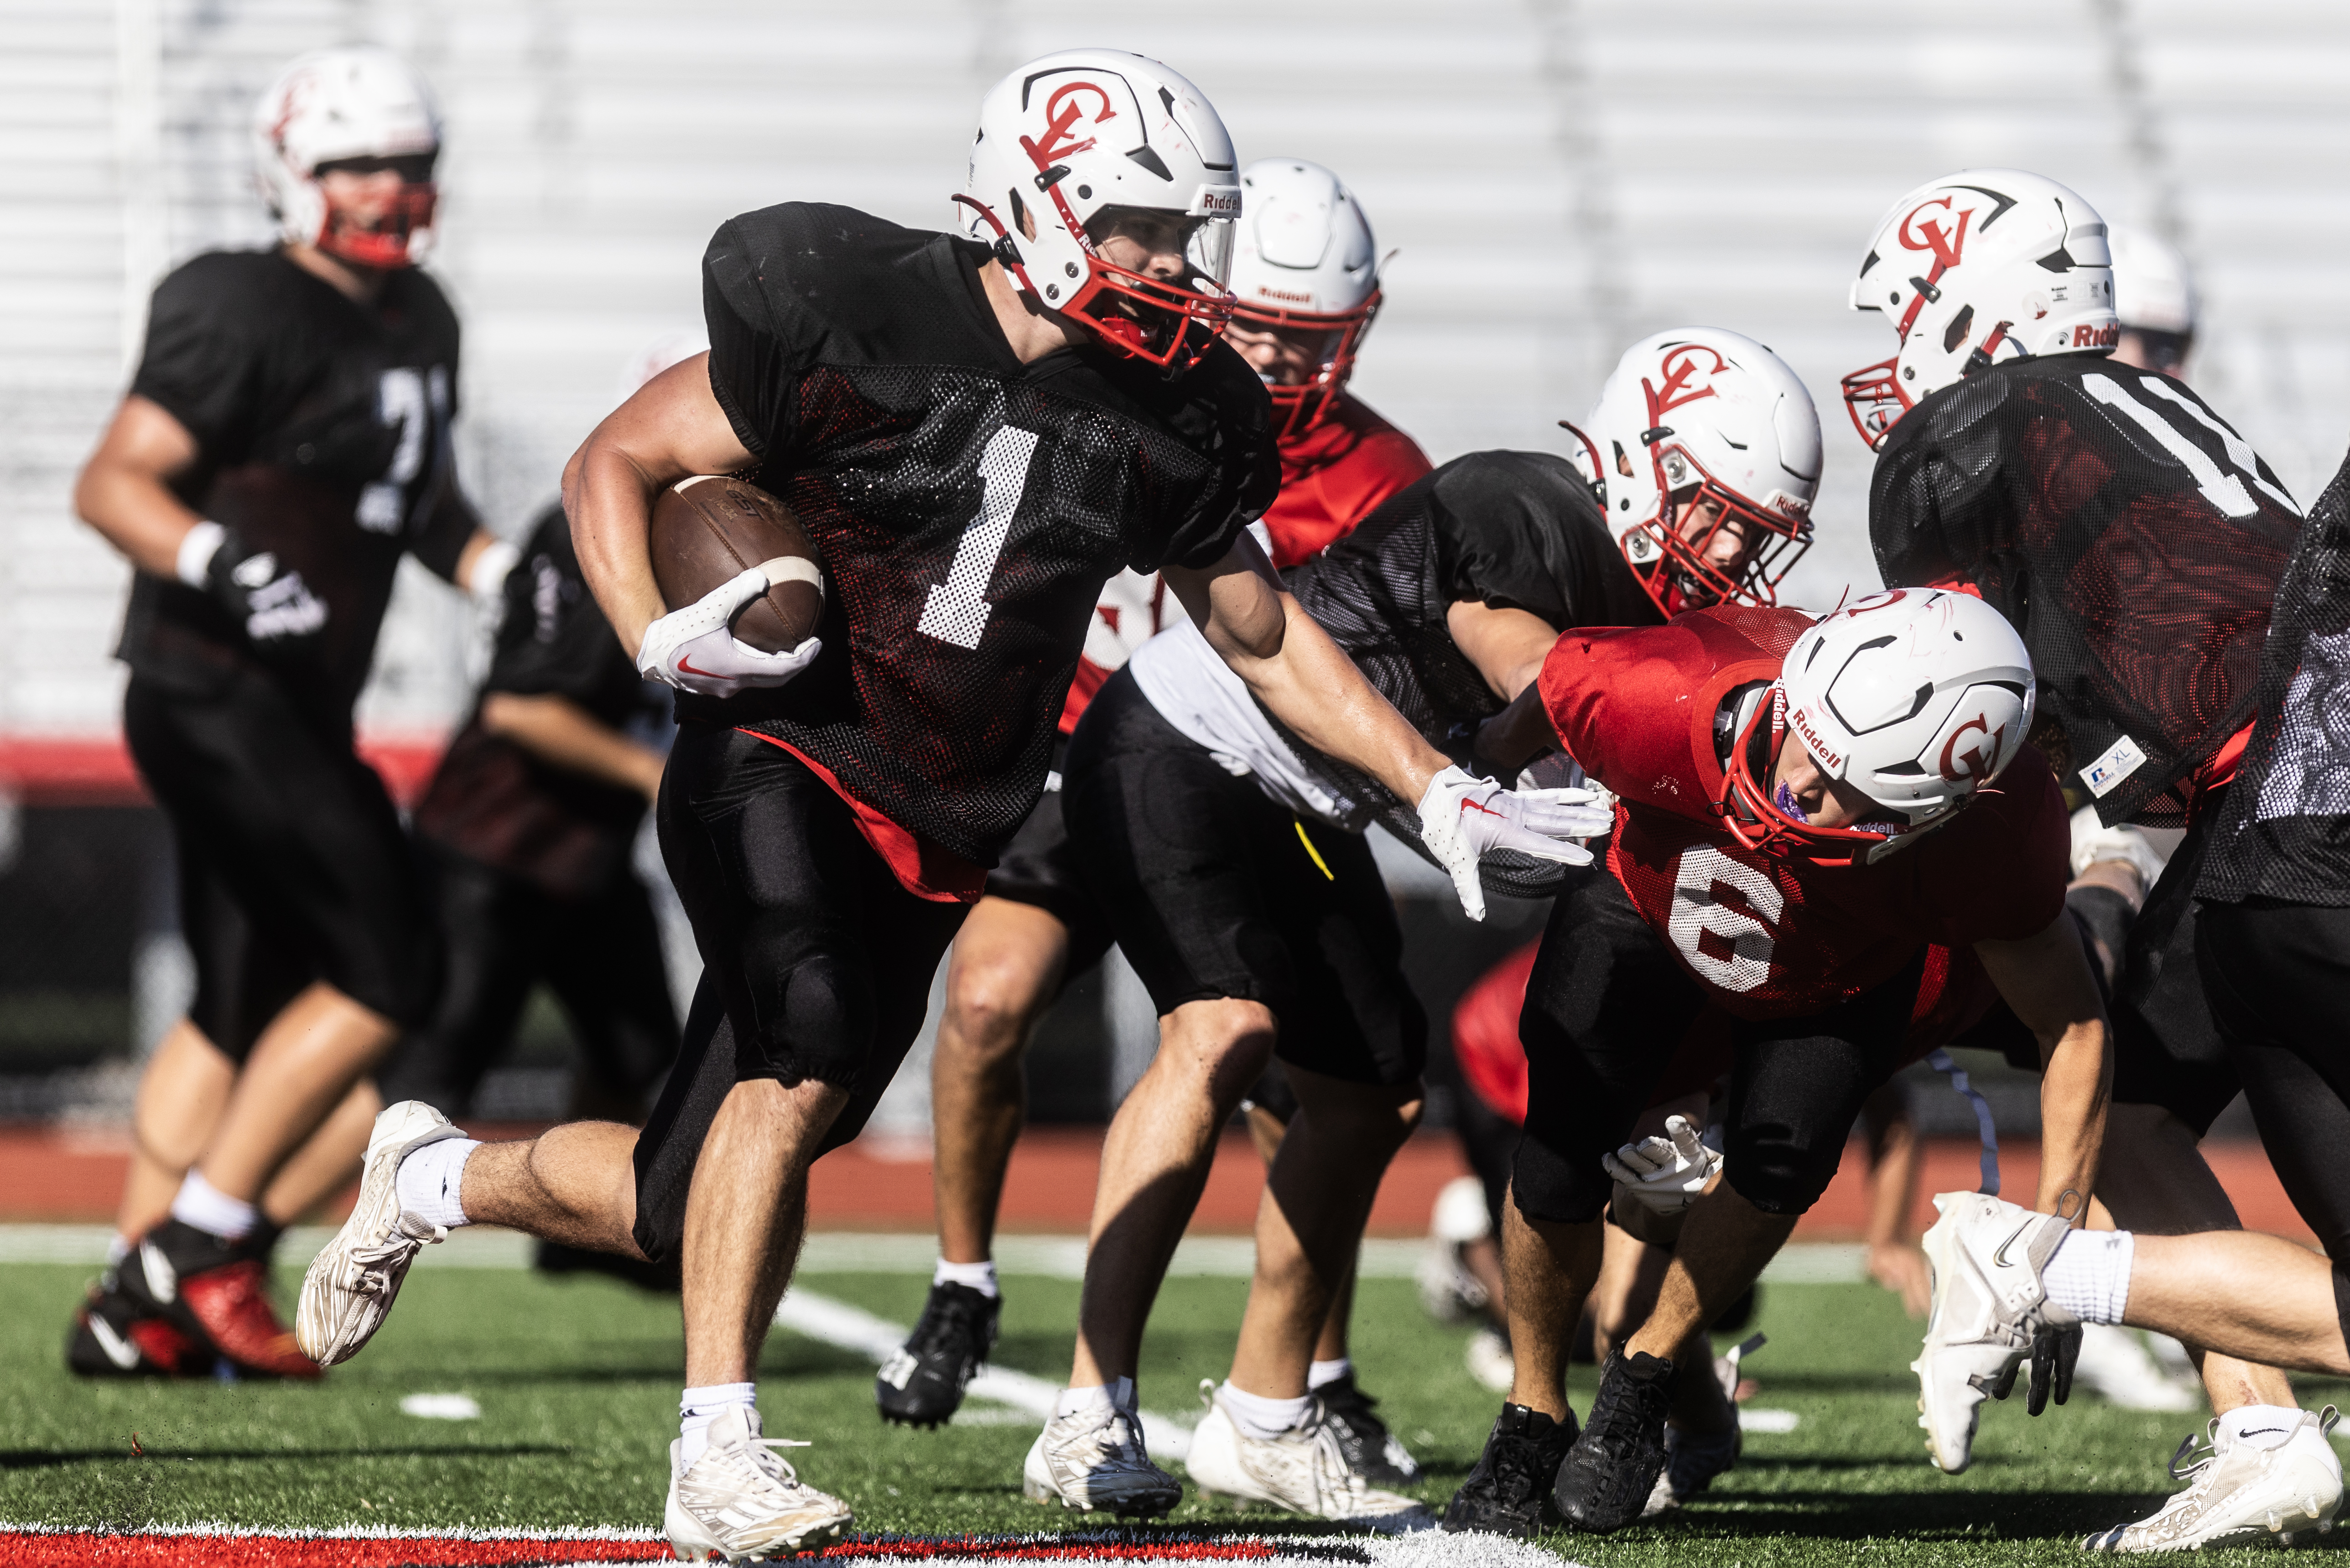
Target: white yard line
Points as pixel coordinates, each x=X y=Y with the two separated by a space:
x=836 y=1322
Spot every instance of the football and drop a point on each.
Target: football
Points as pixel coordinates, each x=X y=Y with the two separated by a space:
x=709 y=528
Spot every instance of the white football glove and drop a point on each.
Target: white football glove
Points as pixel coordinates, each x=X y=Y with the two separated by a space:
x=695 y=648
x=1662 y=1175
x=1464 y=819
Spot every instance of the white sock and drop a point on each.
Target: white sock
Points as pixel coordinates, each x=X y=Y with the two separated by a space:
x=1326 y=1372
x=1256 y=1416
x=207 y=1207
x=430 y=1183
x=2259 y=1426
x=700 y=1406
x=980 y=1277
x=1119 y=1391
x=2088 y=1274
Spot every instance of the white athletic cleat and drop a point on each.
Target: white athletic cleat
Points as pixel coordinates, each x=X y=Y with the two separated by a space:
x=1986 y=1256
x=1303 y=1471
x=350 y=1284
x=2241 y=1494
x=1095 y=1460
x=740 y=1501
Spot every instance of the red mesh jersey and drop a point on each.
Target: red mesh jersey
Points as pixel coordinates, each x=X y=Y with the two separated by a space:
x=2131 y=536
x=1335 y=475
x=1772 y=937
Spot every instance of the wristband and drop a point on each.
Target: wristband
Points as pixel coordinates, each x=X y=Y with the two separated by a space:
x=196 y=552
x=490 y=569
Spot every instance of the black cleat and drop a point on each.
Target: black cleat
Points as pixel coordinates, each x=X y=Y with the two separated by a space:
x=1610 y=1474
x=923 y=1385
x=1371 y=1450
x=113 y=1336
x=1509 y=1492
x=1692 y=1464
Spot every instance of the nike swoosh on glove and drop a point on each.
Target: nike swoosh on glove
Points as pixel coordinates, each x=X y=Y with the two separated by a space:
x=1664 y=1175
x=1464 y=819
x=695 y=648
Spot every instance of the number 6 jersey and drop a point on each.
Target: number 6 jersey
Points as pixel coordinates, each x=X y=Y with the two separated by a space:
x=2130 y=535
x=1647 y=712
x=322 y=436
x=968 y=508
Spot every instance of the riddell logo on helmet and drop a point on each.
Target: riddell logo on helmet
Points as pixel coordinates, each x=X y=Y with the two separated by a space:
x=1827 y=754
x=1291 y=294
x=1971 y=765
x=2096 y=336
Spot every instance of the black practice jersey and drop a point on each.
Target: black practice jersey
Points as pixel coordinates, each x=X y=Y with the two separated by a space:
x=499 y=803
x=2131 y=536
x=968 y=508
x=2284 y=830
x=1513 y=530
x=322 y=435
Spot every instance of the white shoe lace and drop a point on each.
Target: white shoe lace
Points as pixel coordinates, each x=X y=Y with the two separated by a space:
x=378 y=1266
x=1100 y=1437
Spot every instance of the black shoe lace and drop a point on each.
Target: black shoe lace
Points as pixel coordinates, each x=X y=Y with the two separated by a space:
x=1360 y=1430
x=1627 y=1415
x=956 y=1321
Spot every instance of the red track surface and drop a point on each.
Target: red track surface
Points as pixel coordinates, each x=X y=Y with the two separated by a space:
x=59 y=1175
x=94 y=770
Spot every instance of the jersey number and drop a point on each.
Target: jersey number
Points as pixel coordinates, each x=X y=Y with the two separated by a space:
x=2223 y=490
x=957 y=610
x=406 y=402
x=1695 y=912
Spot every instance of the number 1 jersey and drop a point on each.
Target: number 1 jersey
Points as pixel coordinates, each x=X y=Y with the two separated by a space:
x=322 y=436
x=968 y=508
x=1645 y=711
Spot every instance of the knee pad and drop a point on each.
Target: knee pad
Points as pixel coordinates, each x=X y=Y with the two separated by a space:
x=1780 y=1174
x=814 y=1021
x=1548 y=1184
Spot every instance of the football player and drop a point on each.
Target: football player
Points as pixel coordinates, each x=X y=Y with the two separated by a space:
x=1305 y=274
x=978 y=430
x=2272 y=940
x=1803 y=845
x=284 y=443
x=2135 y=540
x=1227 y=850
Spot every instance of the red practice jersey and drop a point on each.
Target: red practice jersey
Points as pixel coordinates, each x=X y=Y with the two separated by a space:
x=1771 y=936
x=1335 y=475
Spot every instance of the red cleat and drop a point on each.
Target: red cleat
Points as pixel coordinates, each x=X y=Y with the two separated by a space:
x=218 y=1292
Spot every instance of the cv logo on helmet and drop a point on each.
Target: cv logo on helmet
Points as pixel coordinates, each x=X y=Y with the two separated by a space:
x=1921 y=232
x=1686 y=381
x=1061 y=114
x=1960 y=767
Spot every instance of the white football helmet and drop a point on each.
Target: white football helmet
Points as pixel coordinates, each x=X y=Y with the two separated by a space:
x=1070 y=145
x=1916 y=696
x=353 y=102
x=1984 y=266
x=2154 y=295
x=1306 y=266
x=1707 y=415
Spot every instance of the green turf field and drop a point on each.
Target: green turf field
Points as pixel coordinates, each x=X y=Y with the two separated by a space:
x=577 y=1382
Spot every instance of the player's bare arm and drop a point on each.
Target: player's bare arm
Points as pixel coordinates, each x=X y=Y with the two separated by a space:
x=125 y=489
x=556 y=730
x=1295 y=670
x=1507 y=646
x=2045 y=980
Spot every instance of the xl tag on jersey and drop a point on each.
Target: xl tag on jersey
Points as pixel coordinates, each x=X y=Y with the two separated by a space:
x=2121 y=759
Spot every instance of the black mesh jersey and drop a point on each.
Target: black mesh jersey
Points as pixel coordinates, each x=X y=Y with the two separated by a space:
x=322 y=434
x=968 y=508
x=2131 y=535
x=494 y=801
x=1514 y=530
x=2283 y=829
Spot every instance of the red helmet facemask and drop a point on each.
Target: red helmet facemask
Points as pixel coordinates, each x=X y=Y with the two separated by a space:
x=1164 y=323
x=1761 y=824
x=386 y=244
x=1297 y=409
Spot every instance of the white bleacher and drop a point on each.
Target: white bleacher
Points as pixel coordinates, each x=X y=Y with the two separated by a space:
x=1558 y=177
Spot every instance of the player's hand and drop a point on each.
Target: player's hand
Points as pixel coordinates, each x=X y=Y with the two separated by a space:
x=1464 y=819
x=1663 y=1175
x=281 y=616
x=695 y=648
x=2053 y=1352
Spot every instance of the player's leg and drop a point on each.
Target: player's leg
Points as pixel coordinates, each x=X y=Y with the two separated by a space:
x=1603 y=992
x=182 y=1092
x=494 y=930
